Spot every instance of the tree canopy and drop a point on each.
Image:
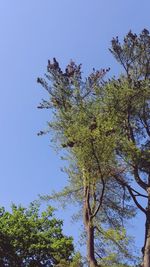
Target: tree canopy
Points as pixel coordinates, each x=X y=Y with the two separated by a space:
x=29 y=237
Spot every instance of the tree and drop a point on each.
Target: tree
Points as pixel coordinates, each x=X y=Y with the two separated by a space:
x=128 y=102
x=29 y=237
x=82 y=128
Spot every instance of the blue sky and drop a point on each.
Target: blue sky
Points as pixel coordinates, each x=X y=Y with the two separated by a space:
x=32 y=32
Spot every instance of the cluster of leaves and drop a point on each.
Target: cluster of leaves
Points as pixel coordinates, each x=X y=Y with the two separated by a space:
x=29 y=237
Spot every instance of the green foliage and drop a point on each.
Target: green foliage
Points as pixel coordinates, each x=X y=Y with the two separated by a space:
x=29 y=237
x=76 y=262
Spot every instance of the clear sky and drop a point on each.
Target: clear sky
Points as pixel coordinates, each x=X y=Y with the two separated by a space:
x=31 y=32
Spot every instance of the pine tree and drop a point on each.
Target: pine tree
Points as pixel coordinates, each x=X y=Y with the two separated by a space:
x=83 y=129
x=128 y=103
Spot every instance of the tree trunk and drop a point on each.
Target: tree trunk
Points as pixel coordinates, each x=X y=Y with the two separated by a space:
x=90 y=246
x=89 y=229
x=146 y=248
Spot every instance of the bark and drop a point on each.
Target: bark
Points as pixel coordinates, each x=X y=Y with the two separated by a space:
x=90 y=246
x=88 y=222
x=146 y=248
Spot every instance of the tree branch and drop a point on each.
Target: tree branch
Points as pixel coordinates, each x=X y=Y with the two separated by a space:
x=103 y=182
x=124 y=183
x=138 y=179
